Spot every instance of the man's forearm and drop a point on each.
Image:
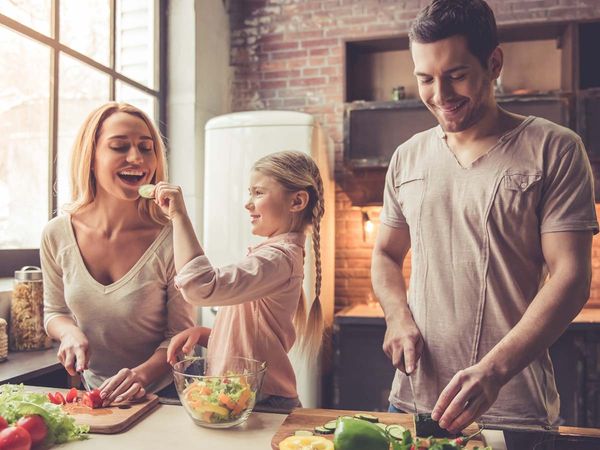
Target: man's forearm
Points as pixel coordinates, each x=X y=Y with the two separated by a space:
x=389 y=286
x=546 y=318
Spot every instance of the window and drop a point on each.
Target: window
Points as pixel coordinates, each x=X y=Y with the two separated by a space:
x=60 y=59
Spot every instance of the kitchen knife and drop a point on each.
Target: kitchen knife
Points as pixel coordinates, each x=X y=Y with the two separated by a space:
x=412 y=390
x=83 y=382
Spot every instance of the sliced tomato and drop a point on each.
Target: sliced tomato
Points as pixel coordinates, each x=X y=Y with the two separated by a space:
x=71 y=395
x=60 y=399
x=3 y=423
x=53 y=399
x=92 y=399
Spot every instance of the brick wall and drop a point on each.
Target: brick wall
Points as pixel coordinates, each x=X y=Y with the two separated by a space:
x=288 y=54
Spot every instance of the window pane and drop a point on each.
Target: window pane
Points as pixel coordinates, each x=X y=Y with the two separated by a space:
x=24 y=127
x=135 y=40
x=85 y=27
x=126 y=93
x=32 y=13
x=81 y=89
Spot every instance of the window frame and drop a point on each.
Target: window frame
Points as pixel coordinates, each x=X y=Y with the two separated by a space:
x=13 y=259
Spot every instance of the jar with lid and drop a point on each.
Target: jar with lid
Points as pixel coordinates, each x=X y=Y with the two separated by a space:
x=27 y=311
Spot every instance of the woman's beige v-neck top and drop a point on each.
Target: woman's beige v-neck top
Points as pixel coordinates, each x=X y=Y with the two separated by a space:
x=477 y=259
x=125 y=322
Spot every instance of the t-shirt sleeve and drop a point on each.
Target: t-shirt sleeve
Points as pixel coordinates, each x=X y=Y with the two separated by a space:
x=391 y=214
x=54 y=297
x=568 y=196
x=258 y=275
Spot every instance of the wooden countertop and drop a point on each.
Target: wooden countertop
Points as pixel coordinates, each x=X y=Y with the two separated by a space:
x=374 y=311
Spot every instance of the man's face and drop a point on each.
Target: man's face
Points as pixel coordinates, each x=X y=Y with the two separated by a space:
x=452 y=83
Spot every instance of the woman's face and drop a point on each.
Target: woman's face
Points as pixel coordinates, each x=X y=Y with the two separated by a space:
x=125 y=157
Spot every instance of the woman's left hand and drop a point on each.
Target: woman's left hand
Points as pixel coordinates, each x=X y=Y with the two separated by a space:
x=125 y=385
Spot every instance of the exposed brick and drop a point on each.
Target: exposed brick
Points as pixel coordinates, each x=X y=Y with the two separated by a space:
x=285 y=42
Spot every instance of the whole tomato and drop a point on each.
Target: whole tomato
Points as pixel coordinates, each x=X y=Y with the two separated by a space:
x=3 y=423
x=36 y=427
x=15 y=438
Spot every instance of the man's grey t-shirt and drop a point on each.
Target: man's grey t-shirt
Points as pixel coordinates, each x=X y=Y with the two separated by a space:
x=477 y=259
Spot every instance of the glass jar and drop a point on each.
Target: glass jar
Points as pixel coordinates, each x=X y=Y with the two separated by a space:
x=27 y=311
x=3 y=340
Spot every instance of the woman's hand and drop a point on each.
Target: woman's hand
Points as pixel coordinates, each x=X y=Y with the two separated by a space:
x=170 y=199
x=127 y=384
x=185 y=341
x=74 y=351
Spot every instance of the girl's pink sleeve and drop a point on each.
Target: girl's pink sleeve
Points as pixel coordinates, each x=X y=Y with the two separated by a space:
x=256 y=276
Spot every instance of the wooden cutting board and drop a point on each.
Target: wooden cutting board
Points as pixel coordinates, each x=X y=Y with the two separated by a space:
x=307 y=419
x=112 y=419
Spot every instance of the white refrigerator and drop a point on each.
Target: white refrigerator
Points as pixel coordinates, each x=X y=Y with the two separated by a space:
x=233 y=143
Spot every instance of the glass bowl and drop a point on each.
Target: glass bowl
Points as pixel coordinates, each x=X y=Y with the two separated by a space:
x=218 y=392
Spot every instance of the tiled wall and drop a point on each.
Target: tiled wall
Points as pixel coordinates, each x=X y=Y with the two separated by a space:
x=288 y=54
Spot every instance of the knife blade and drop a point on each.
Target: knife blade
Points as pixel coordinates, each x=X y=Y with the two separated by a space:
x=412 y=390
x=83 y=382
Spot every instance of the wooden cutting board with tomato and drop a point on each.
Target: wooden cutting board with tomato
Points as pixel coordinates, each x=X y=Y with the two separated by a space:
x=86 y=408
x=308 y=419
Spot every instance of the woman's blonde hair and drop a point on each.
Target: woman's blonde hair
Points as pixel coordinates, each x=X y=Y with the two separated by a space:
x=83 y=181
x=296 y=171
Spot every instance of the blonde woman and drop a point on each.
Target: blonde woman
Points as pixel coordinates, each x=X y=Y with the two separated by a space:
x=109 y=296
x=261 y=296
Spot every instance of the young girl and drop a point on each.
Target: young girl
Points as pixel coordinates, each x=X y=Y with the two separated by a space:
x=261 y=296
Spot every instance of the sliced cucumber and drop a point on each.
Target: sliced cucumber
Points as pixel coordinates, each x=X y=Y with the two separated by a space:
x=303 y=433
x=383 y=426
x=323 y=430
x=395 y=431
x=331 y=425
x=367 y=417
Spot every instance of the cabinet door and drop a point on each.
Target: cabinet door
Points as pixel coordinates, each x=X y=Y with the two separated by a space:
x=363 y=374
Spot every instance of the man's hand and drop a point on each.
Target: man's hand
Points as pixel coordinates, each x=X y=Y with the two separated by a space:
x=403 y=344
x=469 y=394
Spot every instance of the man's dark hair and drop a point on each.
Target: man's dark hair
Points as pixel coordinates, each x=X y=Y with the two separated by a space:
x=472 y=19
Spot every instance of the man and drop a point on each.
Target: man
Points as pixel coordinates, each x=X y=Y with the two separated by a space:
x=490 y=203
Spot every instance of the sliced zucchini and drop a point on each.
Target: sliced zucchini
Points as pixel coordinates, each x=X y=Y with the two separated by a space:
x=303 y=433
x=367 y=417
x=323 y=430
x=395 y=431
x=331 y=425
x=383 y=426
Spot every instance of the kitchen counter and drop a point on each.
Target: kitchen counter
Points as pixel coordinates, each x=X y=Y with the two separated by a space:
x=23 y=366
x=171 y=427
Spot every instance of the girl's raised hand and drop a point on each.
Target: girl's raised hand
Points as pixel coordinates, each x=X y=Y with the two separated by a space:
x=185 y=341
x=170 y=199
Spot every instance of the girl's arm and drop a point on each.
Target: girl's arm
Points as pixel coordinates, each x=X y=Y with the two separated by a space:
x=267 y=271
x=185 y=244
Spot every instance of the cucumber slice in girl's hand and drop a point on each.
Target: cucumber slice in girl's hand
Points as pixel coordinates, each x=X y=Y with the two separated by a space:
x=146 y=190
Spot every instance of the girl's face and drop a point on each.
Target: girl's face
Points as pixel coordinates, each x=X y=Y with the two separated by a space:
x=125 y=157
x=270 y=206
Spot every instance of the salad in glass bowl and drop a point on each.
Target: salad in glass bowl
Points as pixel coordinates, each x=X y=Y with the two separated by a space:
x=218 y=392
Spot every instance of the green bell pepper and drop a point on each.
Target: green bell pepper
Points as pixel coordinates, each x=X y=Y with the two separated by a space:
x=357 y=434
